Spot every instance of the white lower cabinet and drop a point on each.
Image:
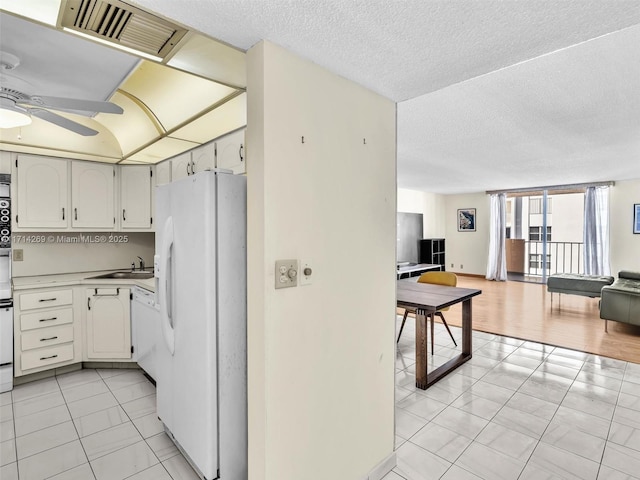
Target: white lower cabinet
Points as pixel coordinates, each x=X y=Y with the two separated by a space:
x=107 y=324
x=54 y=327
x=46 y=331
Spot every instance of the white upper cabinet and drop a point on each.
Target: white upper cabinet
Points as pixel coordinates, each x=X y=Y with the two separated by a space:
x=181 y=166
x=230 y=152
x=93 y=195
x=163 y=173
x=203 y=158
x=135 y=197
x=42 y=193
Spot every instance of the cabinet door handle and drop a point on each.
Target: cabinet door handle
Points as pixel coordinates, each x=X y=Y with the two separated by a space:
x=75 y=211
x=47 y=339
x=124 y=218
x=47 y=358
x=188 y=168
x=88 y=304
x=48 y=319
x=240 y=152
x=63 y=213
x=47 y=299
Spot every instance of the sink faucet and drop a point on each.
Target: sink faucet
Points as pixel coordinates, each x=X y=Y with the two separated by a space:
x=141 y=263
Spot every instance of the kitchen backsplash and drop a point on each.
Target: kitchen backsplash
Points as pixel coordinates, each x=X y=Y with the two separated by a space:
x=48 y=253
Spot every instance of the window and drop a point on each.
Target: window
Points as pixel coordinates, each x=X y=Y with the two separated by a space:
x=535 y=205
x=535 y=234
x=535 y=260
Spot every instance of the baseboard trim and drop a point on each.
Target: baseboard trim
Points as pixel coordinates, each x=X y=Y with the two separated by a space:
x=384 y=467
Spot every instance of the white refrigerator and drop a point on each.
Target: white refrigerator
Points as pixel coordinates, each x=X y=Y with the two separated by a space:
x=200 y=269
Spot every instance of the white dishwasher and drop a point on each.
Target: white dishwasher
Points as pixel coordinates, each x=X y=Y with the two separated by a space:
x=145 y=326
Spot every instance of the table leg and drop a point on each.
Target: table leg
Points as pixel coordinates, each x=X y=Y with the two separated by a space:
x=423 y=315
x=466 y=327
x=421 y=348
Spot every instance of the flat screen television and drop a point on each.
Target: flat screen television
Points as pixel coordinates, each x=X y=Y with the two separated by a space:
x=409 y=232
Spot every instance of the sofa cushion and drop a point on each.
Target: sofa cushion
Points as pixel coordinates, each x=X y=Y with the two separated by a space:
x=576 y=284
x=629 y=274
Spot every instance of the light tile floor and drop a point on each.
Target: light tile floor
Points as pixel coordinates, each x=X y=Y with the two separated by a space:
x=87 y=425
x=516 y=410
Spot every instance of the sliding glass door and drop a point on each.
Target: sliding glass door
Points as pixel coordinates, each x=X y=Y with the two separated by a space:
x=544 y=234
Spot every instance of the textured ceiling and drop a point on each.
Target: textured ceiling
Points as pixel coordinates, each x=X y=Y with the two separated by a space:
x=569 y=117
x=492 y=94
x=406 y=48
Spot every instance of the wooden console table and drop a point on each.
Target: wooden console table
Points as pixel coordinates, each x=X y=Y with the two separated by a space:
x=426 y=299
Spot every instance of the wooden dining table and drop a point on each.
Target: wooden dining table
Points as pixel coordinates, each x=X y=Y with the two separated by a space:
x=426 y=299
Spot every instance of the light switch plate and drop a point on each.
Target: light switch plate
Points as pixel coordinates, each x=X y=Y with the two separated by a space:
x=18 y=255
x=286 y=273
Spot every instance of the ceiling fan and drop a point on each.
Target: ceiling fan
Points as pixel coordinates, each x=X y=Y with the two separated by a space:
x=16 y=107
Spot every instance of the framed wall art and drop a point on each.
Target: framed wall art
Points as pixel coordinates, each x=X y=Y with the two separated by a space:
x=467 y=220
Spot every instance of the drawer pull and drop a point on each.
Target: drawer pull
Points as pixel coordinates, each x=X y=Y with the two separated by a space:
x=47 y=339
x=48 y=319
x=49 y=357
x=47 y=299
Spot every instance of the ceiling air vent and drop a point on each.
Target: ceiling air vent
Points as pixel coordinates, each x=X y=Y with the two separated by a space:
x=115 y=22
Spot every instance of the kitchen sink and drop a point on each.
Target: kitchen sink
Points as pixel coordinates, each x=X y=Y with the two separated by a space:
x=126 y=275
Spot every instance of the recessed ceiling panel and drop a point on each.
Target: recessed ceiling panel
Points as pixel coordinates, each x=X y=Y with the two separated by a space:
x=40 y=134
x=227 y=117
x=164 y=148
x=173 y=96
x=134 y=128
x=224 y=64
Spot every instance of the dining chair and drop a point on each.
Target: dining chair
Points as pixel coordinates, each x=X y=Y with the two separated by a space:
x=436 y=278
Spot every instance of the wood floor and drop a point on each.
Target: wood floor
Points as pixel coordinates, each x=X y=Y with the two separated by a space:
x=523 y=310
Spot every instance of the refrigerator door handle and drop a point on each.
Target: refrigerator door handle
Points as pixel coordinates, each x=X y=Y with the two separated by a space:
x=165 y=258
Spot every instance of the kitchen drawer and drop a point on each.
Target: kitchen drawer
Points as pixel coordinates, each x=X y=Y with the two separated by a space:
x=43 y=357
x=45 y=318
x=46 y=337
x=45 y=299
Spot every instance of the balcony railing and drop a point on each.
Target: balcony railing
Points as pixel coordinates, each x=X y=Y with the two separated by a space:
x=562 y=257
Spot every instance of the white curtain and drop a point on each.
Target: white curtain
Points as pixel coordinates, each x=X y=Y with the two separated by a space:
x=596 y=231
x=497 y=265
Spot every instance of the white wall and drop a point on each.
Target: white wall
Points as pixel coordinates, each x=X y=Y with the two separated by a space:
x=625 y=246
x=321 y=357
x=60 y=255
x=432 y=207
x=470 y=249
x=467 y=251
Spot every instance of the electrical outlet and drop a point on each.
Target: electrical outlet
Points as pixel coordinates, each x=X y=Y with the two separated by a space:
x=452 y=265
x=286 y=273
x=461 y=266
x=18 y=255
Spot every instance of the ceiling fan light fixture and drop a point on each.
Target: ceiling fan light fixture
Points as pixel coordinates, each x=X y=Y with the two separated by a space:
x=11 y=115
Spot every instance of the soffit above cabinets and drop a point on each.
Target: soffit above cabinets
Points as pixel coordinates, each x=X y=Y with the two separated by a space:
x=195 y=96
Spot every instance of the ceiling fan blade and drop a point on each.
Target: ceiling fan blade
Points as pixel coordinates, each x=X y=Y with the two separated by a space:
x=74 y=104
x=62 y=122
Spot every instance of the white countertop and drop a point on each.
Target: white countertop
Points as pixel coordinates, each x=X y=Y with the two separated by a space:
x=79 y=278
